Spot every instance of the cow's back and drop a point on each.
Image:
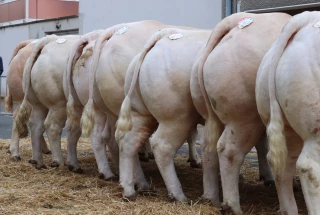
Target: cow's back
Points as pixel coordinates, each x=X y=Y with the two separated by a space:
x=47 y=72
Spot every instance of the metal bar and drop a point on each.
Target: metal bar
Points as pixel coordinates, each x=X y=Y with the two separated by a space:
x=238 y=6
x=284 y=8
x=228 y=7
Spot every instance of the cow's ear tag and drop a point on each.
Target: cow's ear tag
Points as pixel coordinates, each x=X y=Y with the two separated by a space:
x=122 y=30
x=244 y=22
x=61 y=40
x=317 y=24
x=175 y=36
x=34 y=41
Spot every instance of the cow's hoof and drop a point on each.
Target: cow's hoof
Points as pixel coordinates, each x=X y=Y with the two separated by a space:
x=185 y=200
x=226 y=209
x=269 y=183
x=214 y=203
x=151 y=155
x=194 y=164
x=75 y=170
x=129 y=198
x=296 y=186
x=39 y=167
x=34 y=162
x=147 y=192
x=47 y=153
x=16 y=158
x=143 y=157
x=106 y=178
x=203 y=200
x=54 y=164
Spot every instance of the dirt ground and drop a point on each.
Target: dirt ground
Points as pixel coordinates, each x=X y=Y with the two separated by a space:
x=25 y=190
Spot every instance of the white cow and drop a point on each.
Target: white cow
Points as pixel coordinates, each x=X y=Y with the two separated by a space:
x=223 y=91
x=158 y=99
x=287 y=94
x=42 y=84
x=15 y=93
x=77 y=86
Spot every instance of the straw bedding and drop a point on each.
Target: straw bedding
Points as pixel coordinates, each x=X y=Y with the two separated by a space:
x=25 y=190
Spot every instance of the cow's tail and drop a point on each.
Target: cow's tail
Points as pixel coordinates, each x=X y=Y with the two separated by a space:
x=87 y=118
x=213 y=127
x=9 y=102
x=23 y=113
x=124 y=123
x=278 y=152
x=73 y=57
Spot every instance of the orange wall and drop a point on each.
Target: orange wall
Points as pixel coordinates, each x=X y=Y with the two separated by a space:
x=47 y=9
x=12 y=11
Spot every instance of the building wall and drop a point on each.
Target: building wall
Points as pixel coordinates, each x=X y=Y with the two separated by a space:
x=9 y=38
x=12 y=11
x=47 y=9
x=97 y=14
x=39 y=29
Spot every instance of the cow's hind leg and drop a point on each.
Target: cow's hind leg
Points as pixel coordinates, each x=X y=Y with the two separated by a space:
x=109 y=138
x=264 y=167
x=14 y=143
x=73 y=135
x=168 y=138
x=98 y=143
x=309 y=171
x=210 y=168
x=284 y=181
x=54 y=124
x=194 y=158
x=38 y=115
x=130 y=143
x=235 y=142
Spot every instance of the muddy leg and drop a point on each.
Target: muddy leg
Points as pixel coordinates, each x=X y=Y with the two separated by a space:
x=262 y=147
x=129 y=144
x=109 y=138
x=54 y=124
x=73 y=135
x=37 y=119
x=99 y=146
x=168 y=138
x=210 y=168
x=235 y=142
x=309 y=170
x=194 y=158
x=284 y=182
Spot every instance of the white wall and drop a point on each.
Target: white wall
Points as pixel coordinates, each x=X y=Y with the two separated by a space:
x=96 y=14
x=39 y=29
x=9 y=38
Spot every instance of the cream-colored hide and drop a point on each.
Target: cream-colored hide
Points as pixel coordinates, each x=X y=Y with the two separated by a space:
x=158 y=100
x=223 y=91
x=287 y=94
x=15 y=93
